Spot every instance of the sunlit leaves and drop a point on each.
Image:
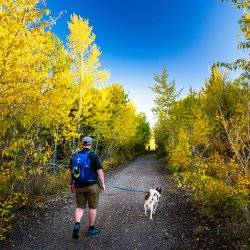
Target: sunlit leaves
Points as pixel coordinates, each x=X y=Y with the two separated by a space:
x=81 y=36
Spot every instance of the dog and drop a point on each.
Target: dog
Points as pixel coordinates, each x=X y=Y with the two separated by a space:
x=151 y=200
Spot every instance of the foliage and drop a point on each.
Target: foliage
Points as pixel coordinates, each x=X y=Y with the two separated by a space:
x=205 y=139
x=50 y=96
x=142 y=136
x=85 y=63
x=165 y=93
x=205 y=136
x=242 y=63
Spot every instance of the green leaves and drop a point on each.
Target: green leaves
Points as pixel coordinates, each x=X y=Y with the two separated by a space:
x=242 y=63
x=165 y=92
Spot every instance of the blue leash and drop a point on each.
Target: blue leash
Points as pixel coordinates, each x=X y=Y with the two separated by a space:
x=128 y=189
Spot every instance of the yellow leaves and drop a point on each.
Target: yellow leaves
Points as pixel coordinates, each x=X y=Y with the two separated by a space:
x=180 y=155
x=23 y=58
x=85 y=54
x=47 y=11
x=7 y=211
x=50 y=96
x=85 y=63
x=36 y=171
x=102 y=76
x=81 y=36
x=15 y=146
x=243 y=185
x=125 y=125
x=93 y=58
x=216 y=74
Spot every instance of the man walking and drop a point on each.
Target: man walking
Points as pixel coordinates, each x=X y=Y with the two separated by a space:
x=86 y=181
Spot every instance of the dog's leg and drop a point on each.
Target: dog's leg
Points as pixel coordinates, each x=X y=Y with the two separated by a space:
x=156 y=204
x=145 y=209
x=151 y=212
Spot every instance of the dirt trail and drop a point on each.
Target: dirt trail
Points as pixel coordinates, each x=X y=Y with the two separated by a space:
x=121 y=217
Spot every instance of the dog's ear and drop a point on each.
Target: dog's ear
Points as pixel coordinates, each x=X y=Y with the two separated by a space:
x=159 y=190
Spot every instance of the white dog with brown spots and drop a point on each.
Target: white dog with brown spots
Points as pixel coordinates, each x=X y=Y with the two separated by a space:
x=151 y=201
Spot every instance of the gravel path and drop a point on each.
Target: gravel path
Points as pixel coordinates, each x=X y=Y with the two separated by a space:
x=176 y=225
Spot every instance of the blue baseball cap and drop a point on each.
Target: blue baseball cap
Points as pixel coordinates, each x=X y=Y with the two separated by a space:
x=87 y=140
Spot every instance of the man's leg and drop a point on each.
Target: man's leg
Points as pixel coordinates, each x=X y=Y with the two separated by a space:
x=93 y=200
x=80 y=205
x=78 y=214
x=92 y=217
x=78 y=217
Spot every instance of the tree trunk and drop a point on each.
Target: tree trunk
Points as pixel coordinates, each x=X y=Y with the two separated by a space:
x=55 y=149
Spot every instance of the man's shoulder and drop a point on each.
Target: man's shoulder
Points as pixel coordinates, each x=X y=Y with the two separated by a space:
x=76 y=153
x=93 y=154
x=95 y=159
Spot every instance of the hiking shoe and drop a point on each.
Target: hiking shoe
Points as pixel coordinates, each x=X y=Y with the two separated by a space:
x=76 y=231
x=93 y=231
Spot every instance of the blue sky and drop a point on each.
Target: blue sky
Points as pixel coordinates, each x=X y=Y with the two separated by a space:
x=138 y=37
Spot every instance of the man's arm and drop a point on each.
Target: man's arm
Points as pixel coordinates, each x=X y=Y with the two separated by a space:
x=100 y=174
x=98 y=167
x=71 y=181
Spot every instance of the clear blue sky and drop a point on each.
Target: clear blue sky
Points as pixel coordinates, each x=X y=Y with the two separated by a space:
x=138 y=37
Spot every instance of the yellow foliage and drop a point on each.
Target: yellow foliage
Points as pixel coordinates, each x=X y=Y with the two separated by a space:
x=50 y=97
x=81 y=36
x=125 y=125
x=243 y=185
x=181 y=152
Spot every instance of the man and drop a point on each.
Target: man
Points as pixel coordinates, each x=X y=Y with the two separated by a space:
x=86 y=181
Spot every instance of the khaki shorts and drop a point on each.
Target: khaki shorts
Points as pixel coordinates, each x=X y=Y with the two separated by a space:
x=88 y=195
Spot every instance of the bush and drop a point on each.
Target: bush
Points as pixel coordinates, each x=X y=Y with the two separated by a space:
x=19 y=189
x=57 y=183
x=7 y=211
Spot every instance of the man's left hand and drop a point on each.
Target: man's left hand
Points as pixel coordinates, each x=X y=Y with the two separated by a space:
x=71 y=188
